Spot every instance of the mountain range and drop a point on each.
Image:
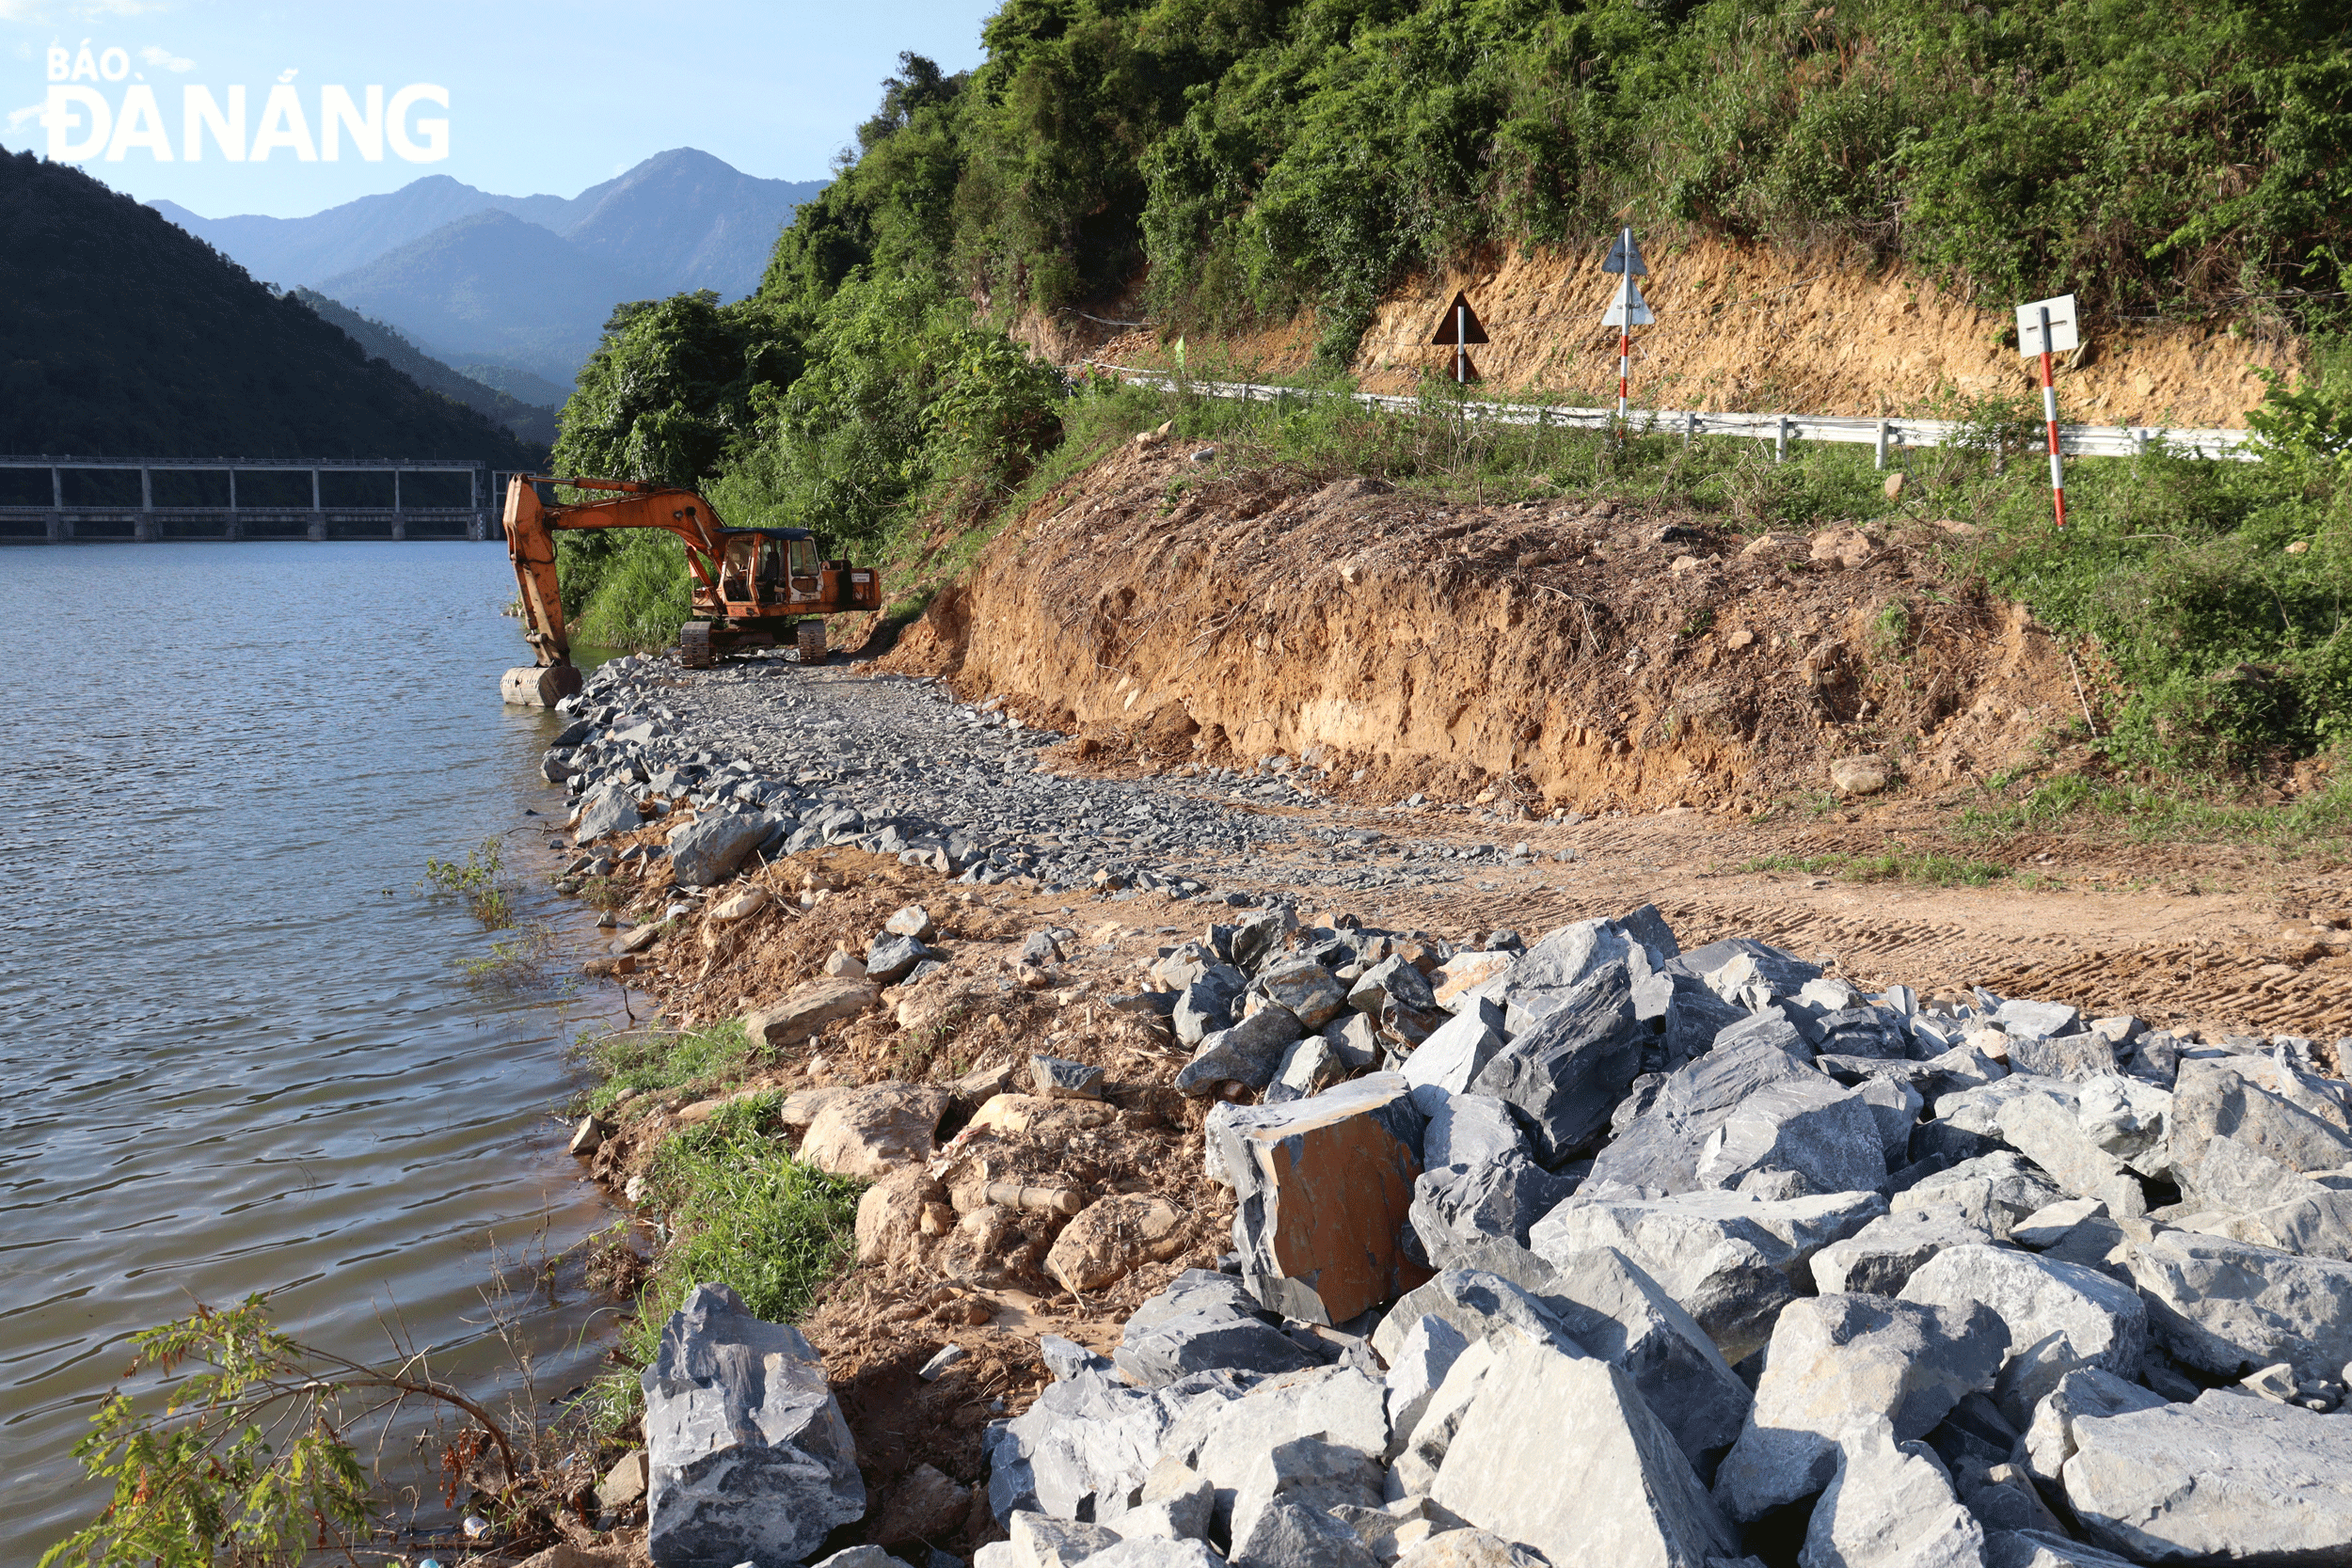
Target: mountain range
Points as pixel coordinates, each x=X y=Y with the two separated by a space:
x=520 y=284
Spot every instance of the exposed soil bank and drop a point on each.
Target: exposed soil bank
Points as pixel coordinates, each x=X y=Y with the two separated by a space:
x=1576 y=655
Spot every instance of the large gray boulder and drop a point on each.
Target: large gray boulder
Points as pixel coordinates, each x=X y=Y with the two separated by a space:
x=1890 y=1505
x=1684 y=1017
x=2050 y=1135
x=1541 y=1417
x=1476 y=1304
x=1204 y=1003
x=2060 y=1316
x=1454 y=1206
x=1304 y=989
x=706 y=851
x=1089 y=1441
x=1430 y=1347
x=1464 y=1129
x=2225 y=1307
x=1881 y=1257
x=2226 y=1478
x=609 y=810
x=1203 y=1321
x=2269 y=1203
x=1622 y=1316
x=2292 y=1117
x=1247 y=1053
x=1242 y=1449
x=1837 y=1360
x=747 y=1455
x=1726 y=1259
x=1660 y=1150
x=1459 y=1049
x=2083 y=1393
x=1801 y=1136
x=1563 y=1076
x=1548 y=974
x=1993 y=1192
x=1288 y=1534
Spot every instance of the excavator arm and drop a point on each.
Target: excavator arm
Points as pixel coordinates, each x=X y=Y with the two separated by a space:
x=534 y=516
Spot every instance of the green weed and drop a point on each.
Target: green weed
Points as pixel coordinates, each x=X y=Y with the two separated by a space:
x=652 y=1061
x=513 y=966
x=476 y=880
x=1930 y=868
x=741 y=1209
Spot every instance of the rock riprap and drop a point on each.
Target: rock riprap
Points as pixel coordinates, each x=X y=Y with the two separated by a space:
x=1585 y=1250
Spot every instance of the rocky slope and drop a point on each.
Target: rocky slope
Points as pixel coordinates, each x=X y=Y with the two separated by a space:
x=1310 y=1243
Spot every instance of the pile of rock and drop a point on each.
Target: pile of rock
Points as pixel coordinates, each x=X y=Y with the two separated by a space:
x=1601 y=1252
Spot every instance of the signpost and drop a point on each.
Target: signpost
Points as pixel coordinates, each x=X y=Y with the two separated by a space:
x=1460 y=328
x=2046 y=326
x=1626 y=308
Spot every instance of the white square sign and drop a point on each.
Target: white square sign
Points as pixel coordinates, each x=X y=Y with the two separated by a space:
x=2062 y=327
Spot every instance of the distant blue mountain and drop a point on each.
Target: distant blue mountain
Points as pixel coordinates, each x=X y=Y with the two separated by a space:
x=532 y=287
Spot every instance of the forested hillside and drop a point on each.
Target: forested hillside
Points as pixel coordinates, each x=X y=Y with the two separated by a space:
x=122 y=335
x=2159 y=156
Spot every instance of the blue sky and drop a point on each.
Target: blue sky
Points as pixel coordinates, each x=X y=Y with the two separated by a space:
x=539 y=97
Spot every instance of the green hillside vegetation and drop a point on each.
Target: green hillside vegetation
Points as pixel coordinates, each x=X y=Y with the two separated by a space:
x=2177 y=156
x=526 y=421
x=120 y=334
x=1248 y=162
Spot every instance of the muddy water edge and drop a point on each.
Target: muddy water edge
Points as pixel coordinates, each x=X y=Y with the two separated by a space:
x=240 y=1054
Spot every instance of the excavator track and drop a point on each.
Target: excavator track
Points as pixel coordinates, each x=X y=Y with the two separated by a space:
x=693 y=645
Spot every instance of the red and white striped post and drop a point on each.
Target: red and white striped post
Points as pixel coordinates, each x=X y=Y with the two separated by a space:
x=1624 y=336
x=2046 y=327
x=1627 y=311
x=2049 y=420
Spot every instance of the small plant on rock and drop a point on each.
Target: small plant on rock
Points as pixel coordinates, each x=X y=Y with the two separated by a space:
x=250 y=1462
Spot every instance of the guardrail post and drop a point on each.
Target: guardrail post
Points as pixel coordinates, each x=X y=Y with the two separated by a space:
x=1882 y=446
x=1689 y=426
x=1780 y=440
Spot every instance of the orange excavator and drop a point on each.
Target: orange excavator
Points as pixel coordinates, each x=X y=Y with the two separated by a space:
x=754 y=587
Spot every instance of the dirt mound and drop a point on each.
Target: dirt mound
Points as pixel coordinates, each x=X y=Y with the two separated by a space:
x=1584 y=656
x=1749 y=328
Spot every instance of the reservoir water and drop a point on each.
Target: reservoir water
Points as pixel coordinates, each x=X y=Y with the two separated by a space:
x=236 y=1051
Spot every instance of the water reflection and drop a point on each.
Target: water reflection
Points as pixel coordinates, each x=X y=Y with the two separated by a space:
x=237 y=1056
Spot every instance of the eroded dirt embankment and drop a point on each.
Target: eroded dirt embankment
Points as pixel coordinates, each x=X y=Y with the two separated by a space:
x=1754 y=328
x=1570 y=655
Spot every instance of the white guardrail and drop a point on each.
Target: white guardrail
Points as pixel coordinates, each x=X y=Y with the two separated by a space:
x=2074 y=440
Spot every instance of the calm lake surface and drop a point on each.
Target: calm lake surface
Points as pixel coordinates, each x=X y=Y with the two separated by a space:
x=235 y=1052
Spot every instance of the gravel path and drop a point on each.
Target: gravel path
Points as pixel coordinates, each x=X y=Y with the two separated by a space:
x=896 y=763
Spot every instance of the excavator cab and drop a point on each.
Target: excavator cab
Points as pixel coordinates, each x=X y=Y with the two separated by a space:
x=740 y=570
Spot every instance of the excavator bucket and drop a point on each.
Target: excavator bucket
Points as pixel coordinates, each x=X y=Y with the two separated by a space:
x=539 y=685
x=810 y=639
